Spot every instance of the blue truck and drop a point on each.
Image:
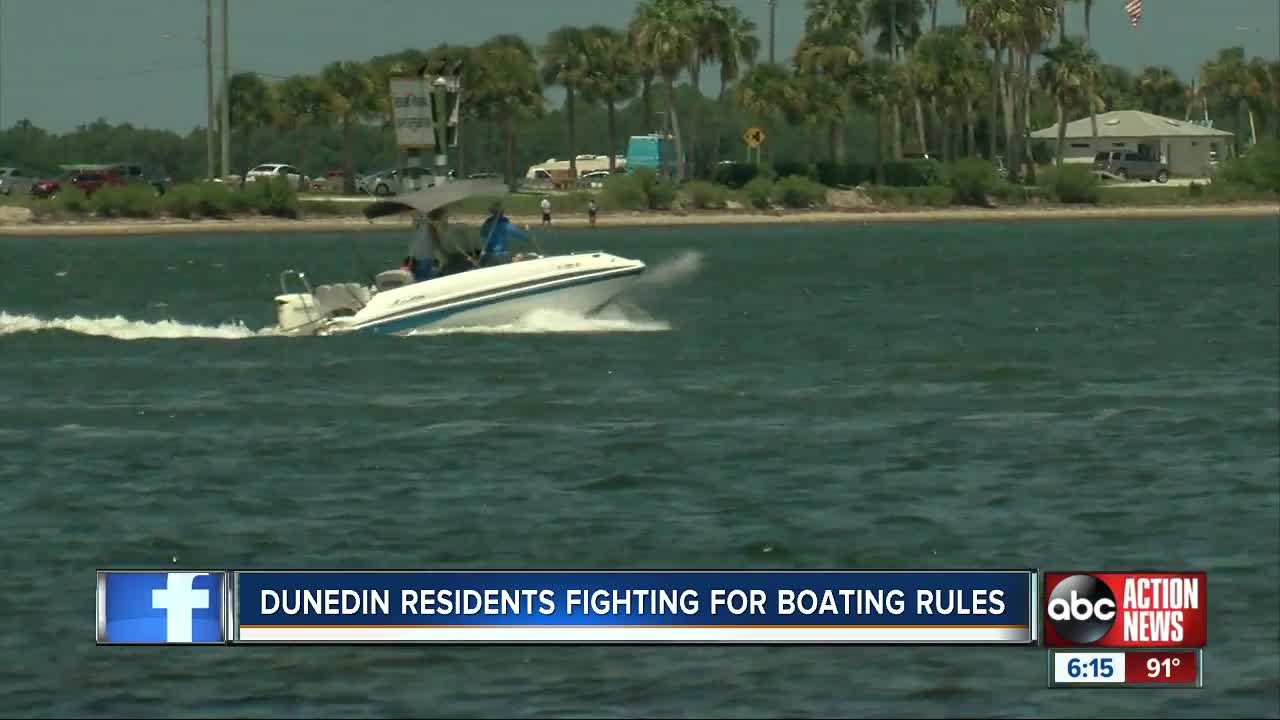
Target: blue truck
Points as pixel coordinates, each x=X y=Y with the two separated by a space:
x=654 y=151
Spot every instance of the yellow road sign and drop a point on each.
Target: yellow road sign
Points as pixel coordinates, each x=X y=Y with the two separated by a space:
x=753 y=137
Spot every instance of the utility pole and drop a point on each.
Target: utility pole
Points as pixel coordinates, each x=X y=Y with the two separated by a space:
x=226 y=93
x=208 y=71
x=773 y=12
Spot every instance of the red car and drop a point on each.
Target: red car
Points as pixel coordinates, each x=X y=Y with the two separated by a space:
x=88 y=182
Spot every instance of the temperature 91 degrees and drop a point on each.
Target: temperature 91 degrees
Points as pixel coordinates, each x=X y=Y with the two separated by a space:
x=1161 y=667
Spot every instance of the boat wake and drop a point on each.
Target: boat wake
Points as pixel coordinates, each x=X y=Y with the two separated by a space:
x=681 y=267
x=613 y=319
x=122 y=328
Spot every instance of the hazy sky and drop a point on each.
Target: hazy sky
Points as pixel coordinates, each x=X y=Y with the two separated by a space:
x=66 y=62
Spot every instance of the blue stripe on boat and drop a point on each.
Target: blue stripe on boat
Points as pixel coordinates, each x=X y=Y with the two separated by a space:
x=410 y=322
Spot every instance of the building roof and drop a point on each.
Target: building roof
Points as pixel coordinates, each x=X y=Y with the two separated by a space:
x=1128 y=124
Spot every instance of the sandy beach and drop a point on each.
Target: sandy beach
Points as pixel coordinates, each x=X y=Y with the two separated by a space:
x=258 y=224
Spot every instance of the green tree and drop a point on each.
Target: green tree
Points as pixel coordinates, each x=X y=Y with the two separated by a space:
x=353 y=99
x=1066 y=73
x=611 y=78
x=565 y=63
x=507 y=91
x=663 y=36
x=1159 y=90
x=302 y=102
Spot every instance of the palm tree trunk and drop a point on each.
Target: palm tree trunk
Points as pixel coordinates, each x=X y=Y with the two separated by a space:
x=613 y=160
x=573 y=139
x=675 y=128
x=941 y=134
x=646 y=100
x=920 y=129
x=1062 y=21
x=694 y=76
x=1062 y=130
x=933 y=15
x=1093 y=110
x=842 y=154
x=510 y=135
x=833 y=134
x=348 y=161
x=972 y=128
x=994 y=121
x=897 y=131
x=1024 y=128
x=462 y=149
x=880 y=146
x=1008 y=95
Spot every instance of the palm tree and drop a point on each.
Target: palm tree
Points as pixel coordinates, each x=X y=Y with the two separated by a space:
x=830 y=56
x=825 y=15
x=251 y=101
x=871 y=88
x=992 y=20
x=1227 y=83
x=1159 y=90
x=768 y=92
x=662 y=34
x=302 y=103
x=898 y=22
x=947 y=64
x=564 y=63
x=1034 y=21
x=737 y=47
x=830 y=49
x=506 y=90
x=1066 y=74
x=352 y=97
x=611 y=76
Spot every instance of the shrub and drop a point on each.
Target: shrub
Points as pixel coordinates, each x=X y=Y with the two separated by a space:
x=930 y=196
x=972 y=181
x=273 y=196
x=218 y=200
x=848 y=174
x=1073 y=183
x=71 y=200
x=789 y=167
x=1260 y=167
x=797 y=191
x=887 y=196
x=704 y=195
x=130 y=201
x=758 y=192
x=182 y=201
x=658 y=192
x=623 y=192
x=1195 y=189
x=913 y=173
x=734 y=175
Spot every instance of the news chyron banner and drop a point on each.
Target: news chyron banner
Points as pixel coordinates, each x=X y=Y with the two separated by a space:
x=997 y=607
x=1125 y=629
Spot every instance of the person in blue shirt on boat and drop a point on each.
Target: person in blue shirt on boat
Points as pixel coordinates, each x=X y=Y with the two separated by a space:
x=497 y=232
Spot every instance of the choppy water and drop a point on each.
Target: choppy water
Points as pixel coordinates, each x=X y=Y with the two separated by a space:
x=1089 y=394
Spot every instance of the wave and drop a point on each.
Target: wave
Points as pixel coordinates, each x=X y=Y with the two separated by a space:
x=122 y=328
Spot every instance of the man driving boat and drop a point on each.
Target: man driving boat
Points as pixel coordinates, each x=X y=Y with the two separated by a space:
x=497 y=231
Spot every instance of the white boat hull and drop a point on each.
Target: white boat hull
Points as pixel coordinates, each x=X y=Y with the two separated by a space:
x=484 y=297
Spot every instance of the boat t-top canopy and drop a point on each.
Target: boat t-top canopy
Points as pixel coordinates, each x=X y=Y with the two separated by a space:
x=437 y=196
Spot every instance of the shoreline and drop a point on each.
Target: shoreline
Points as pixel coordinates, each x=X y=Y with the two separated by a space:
x=641 y=219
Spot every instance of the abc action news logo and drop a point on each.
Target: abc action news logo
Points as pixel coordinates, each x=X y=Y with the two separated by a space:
x=1125 y=609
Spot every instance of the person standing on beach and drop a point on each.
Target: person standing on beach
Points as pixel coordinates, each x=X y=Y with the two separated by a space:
x=591 y=212
x=546 y=210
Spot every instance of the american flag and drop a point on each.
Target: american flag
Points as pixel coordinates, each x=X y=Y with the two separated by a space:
x=1134 y=10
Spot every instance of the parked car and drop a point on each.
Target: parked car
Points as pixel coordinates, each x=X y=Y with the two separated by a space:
x=87 y=181
x=269 y=170
x=136 y=173
x=15 y=180
x=391 y=182
x=1126 y=165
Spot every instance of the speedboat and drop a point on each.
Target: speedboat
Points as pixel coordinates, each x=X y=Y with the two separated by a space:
x=398 y=303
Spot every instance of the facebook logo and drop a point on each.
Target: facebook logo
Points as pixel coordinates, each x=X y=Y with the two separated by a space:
x=161 y=607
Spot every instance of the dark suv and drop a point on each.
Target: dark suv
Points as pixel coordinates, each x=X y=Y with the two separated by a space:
x=1126 y=165
x=135 y=173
